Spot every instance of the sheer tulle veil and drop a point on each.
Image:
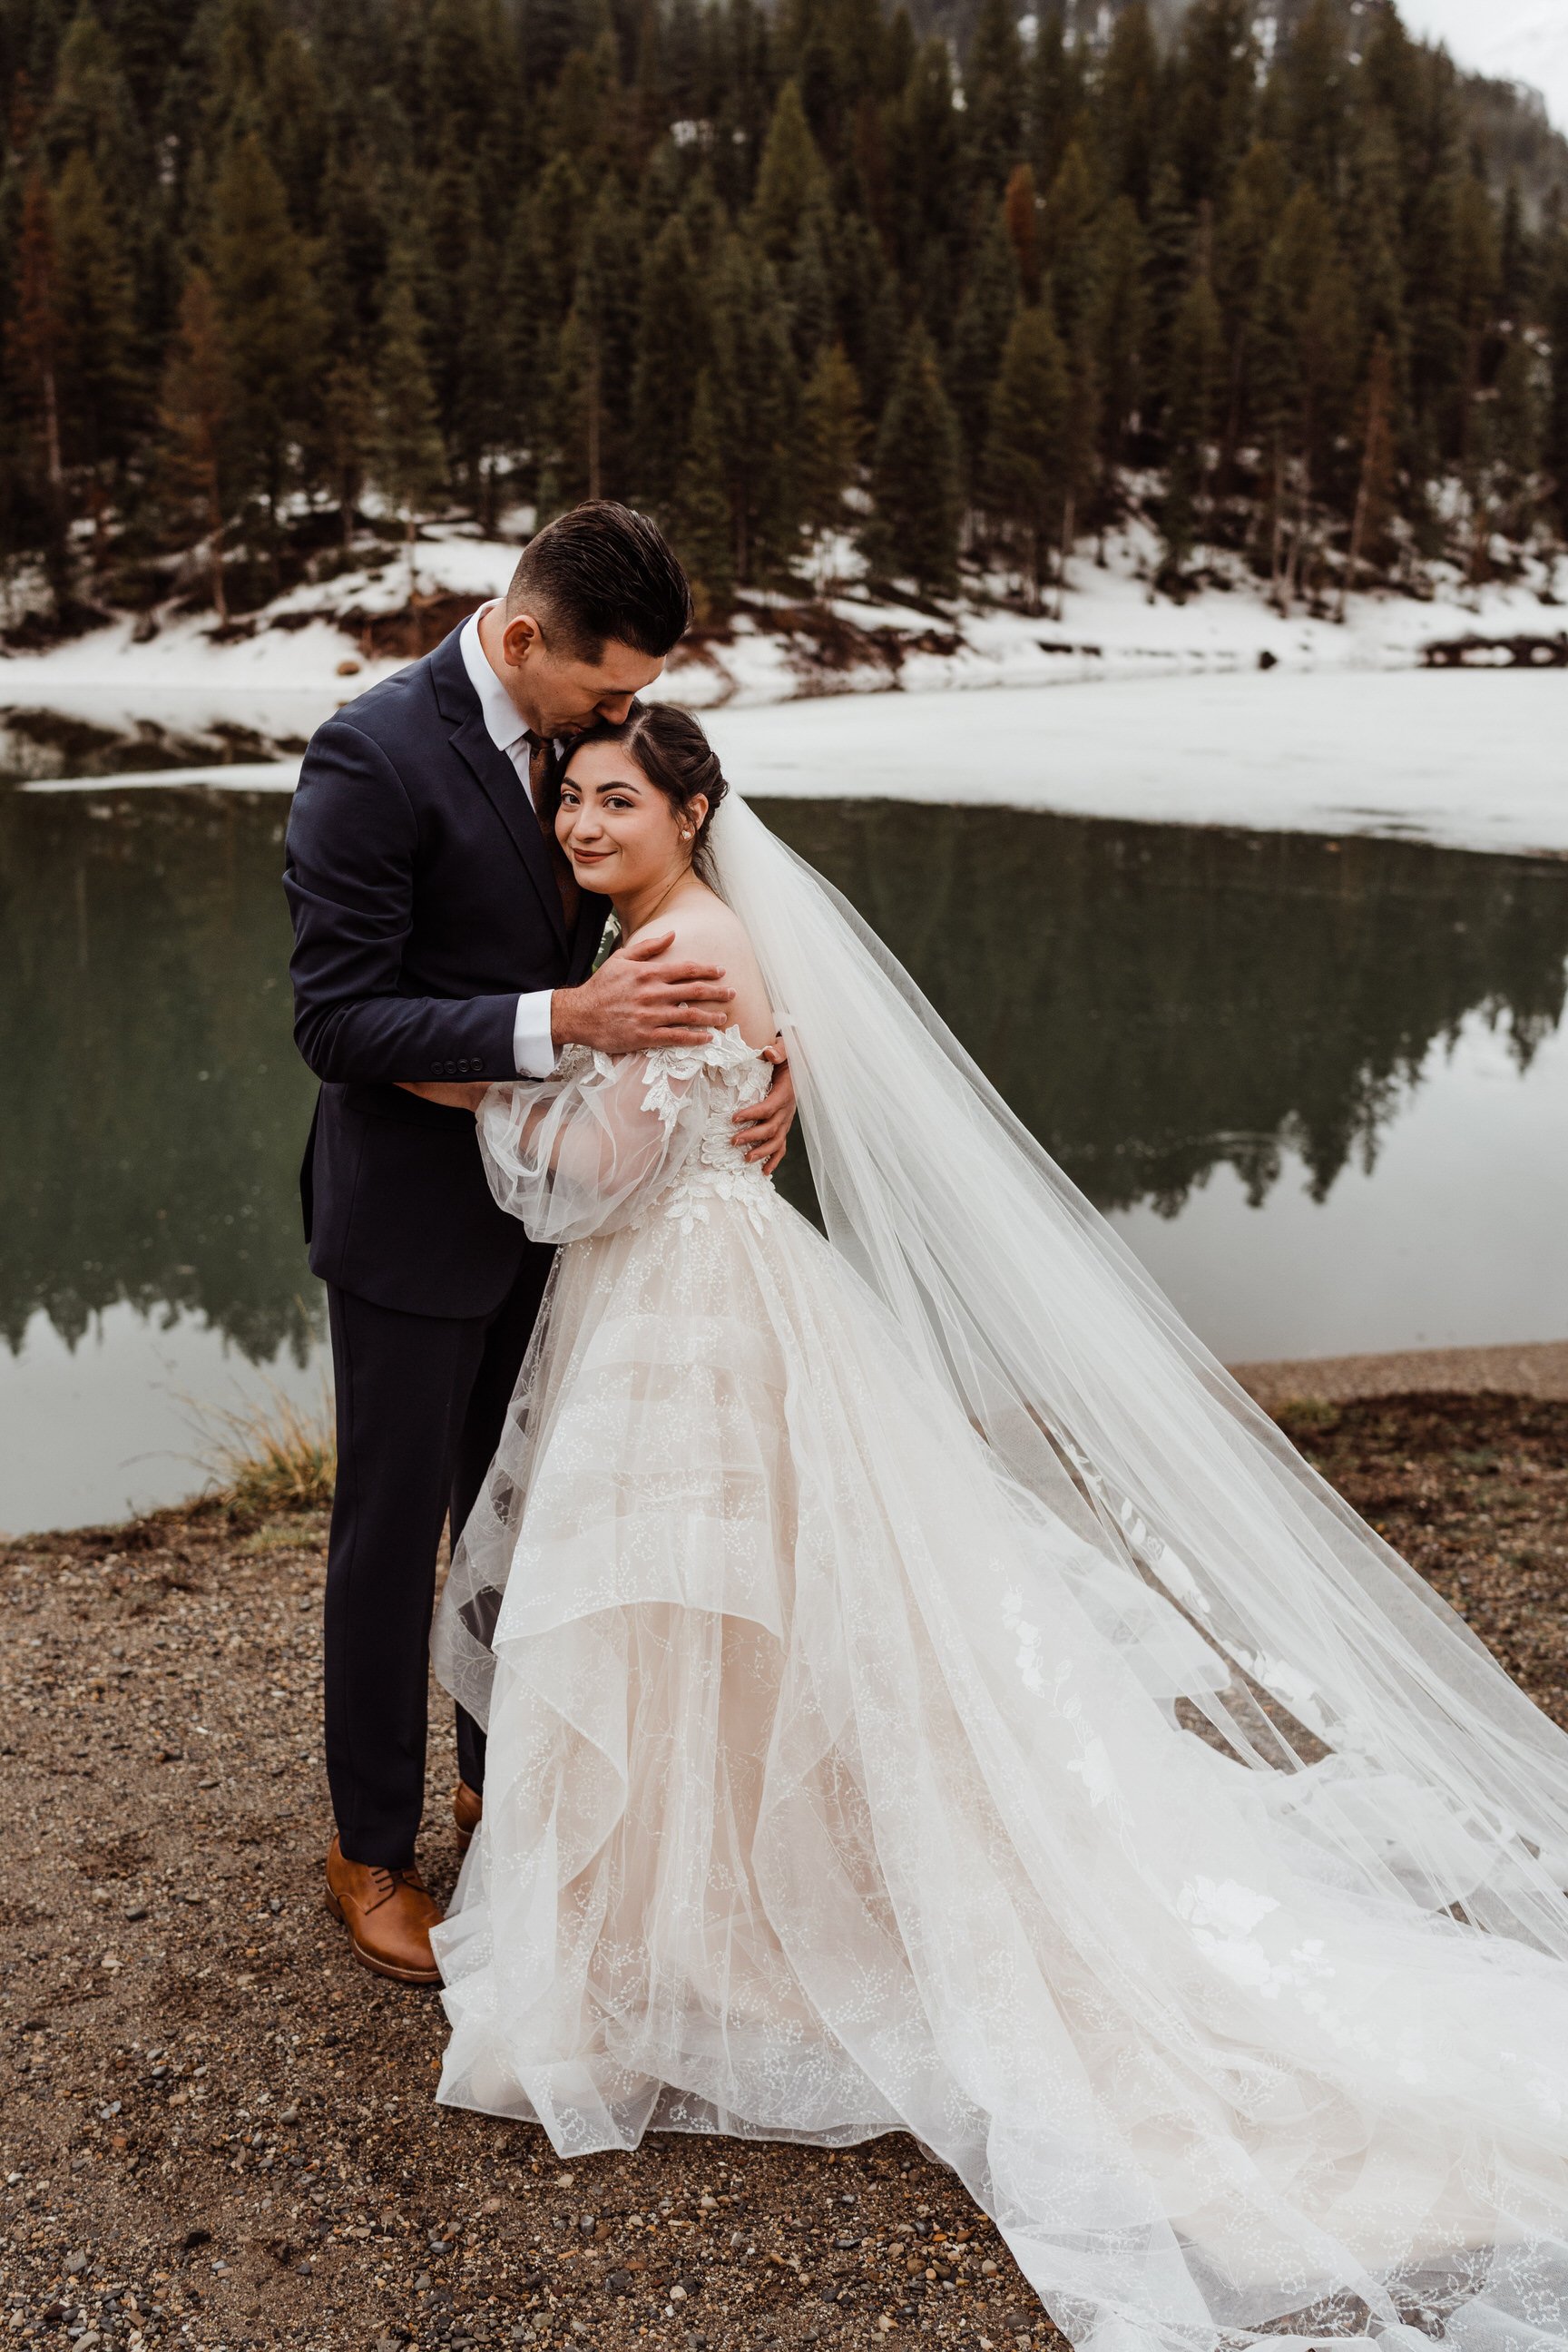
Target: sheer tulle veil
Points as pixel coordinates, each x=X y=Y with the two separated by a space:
x=1415 y=1767
x=1103 y=1804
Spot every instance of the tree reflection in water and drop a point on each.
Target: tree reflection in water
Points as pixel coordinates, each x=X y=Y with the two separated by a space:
x=1152 y=1000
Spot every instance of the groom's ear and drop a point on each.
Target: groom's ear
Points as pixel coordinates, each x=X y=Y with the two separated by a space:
x=520 y=637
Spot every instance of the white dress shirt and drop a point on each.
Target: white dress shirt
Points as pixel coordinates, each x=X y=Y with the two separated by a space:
x=532 y=1047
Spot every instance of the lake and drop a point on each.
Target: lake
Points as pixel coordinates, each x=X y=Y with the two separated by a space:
x=1320 y=1086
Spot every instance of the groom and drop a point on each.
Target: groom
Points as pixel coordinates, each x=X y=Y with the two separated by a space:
x=439 y=935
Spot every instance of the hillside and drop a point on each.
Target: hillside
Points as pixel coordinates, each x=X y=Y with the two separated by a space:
x=1279 y=286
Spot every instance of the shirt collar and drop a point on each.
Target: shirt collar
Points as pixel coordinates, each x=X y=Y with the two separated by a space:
x=504 y=723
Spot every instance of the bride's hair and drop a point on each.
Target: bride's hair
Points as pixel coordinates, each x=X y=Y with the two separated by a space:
x=668 y=745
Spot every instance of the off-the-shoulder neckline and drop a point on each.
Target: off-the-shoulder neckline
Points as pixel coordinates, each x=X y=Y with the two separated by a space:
x=724 y=1045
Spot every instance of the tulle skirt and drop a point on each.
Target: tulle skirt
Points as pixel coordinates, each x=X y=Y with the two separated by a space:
x=834 y=1787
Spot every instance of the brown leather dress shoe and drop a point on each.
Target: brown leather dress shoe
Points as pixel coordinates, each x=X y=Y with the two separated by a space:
x=468 y=1805
x=388 y=1915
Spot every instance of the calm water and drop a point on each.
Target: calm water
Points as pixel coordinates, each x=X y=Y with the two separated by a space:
x=1324 y=1089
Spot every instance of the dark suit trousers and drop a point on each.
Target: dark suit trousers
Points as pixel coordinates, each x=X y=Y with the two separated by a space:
x=421 y=1402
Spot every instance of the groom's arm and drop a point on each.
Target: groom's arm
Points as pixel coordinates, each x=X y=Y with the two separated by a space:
x=349 y=876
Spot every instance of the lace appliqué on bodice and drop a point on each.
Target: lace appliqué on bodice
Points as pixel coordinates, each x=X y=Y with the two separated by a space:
x=717 y=1168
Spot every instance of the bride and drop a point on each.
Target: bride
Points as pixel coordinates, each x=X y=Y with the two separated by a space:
x=924 y=1692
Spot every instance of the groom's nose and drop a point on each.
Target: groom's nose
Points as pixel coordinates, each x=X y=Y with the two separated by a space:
x=615 y=707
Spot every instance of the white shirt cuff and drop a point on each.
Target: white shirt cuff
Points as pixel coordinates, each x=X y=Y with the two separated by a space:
x=532 y=1046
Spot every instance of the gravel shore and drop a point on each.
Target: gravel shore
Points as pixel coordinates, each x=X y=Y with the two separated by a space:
x=216 y=2131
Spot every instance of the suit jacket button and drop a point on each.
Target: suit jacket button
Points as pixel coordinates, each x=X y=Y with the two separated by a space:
x=435 y=1068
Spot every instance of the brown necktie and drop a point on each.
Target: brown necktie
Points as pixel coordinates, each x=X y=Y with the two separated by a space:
x=538 y=782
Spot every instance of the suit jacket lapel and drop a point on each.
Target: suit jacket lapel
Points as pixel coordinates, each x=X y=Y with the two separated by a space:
x=495 y=775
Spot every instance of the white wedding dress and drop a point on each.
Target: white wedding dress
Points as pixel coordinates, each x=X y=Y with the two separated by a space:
x=852 y=1768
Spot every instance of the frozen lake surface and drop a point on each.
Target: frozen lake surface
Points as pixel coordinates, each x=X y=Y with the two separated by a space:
x=1473 y=758
x=1470 y=758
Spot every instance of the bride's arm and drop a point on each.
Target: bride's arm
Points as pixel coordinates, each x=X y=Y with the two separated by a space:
x=582 y=1152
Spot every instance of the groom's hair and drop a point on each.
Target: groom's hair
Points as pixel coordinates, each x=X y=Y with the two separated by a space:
x=603 y=572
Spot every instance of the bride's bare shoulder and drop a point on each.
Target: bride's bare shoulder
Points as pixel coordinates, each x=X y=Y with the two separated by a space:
x=707 y=932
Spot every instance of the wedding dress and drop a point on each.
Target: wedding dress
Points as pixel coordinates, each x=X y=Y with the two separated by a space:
x=923 y=1693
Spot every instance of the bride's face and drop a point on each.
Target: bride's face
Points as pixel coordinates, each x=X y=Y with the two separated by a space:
x=621 y=833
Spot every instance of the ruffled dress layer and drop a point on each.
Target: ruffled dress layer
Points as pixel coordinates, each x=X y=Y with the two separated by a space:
x=834 y=1787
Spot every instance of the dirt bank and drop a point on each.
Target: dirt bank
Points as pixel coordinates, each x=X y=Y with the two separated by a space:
x=219 y=2131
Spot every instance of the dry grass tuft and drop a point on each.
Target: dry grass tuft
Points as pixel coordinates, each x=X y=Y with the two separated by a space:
x=270 y=1456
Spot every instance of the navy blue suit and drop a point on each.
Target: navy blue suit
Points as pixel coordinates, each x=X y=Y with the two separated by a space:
x=425 y=902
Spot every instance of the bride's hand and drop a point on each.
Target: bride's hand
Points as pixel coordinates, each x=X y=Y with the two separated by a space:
x=763 y=1128
x=461 y=1094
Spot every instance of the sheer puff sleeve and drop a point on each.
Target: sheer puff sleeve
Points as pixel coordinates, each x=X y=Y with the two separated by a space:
x=585 y=1151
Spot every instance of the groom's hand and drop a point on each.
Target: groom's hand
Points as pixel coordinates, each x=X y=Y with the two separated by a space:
x=762 y=1129
x=634 y=1001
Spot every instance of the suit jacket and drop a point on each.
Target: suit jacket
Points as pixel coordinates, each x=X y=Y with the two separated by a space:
x=424 y=904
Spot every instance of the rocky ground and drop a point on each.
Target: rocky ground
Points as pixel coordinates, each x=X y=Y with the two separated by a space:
x=216 y=2130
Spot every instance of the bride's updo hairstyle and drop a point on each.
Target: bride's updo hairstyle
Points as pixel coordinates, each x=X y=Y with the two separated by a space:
x=670 y=747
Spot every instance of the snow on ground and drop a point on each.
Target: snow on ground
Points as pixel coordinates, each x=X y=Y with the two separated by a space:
x=1473 y=758
x=1214 y=711
x=307 y=651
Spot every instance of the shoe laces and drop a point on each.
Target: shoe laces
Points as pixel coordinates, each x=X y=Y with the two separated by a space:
x=388 y=1882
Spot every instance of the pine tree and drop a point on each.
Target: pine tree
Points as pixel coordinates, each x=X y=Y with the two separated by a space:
x=808 y=288
x=1027 y=457
x=832 y=432
x=926 y=214
x=1248 y=223
x=33 y=356
x=91 y=112
x=272 y=322
x=1374 y=489
x=97 y=384
x=757 y=396
x=1214 y=84
x=674 y=346
x=994 y=85
x=792 y=180
x=915 y=477
x=980 y=336
x=410 y=461
x=1021 y=215
x=1055 y=96
x=1514 y=484
x=1555 y=403
x=1197 y=355
x=349 y=437
x=1130 y=84
x=196 y=412
x=1066 y=240
x=699 y=513
x=1117 y=326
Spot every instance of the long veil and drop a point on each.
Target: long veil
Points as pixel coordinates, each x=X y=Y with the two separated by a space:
x=1425 y=1773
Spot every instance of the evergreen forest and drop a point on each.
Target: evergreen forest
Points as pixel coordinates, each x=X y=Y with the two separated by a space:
x=822 y=285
